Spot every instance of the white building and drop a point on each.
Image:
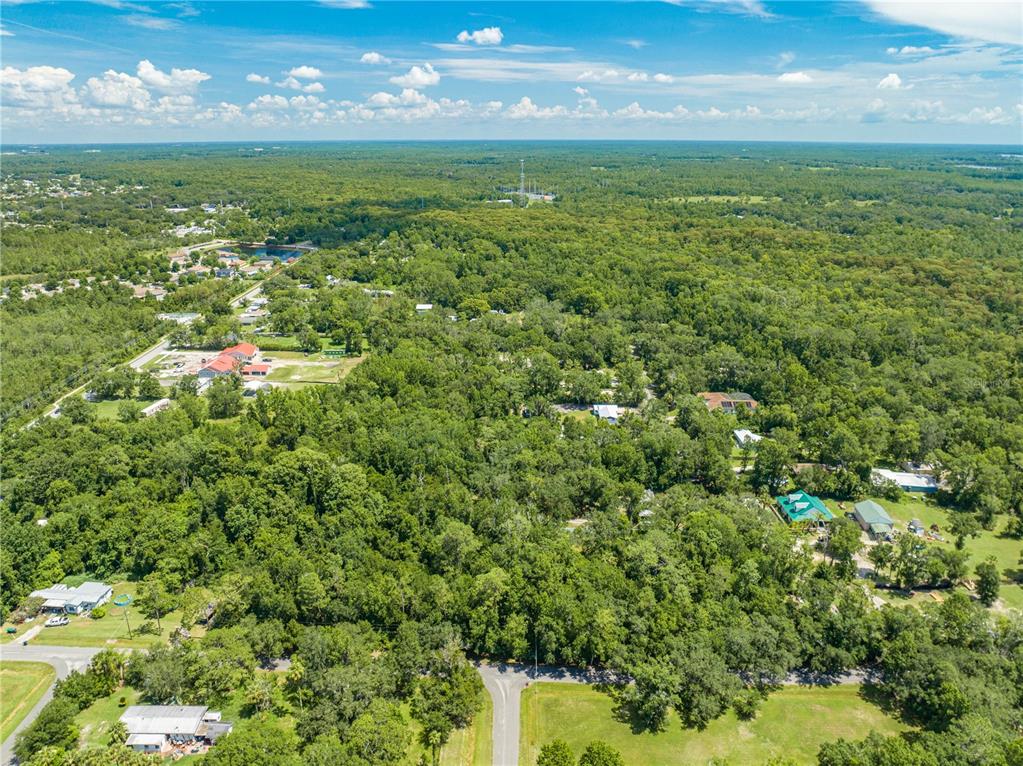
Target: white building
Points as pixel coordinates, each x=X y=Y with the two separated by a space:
x=907 y=482
x=158 y=406
x=744 y=435
x=608 y=412
x=77 y=600
x=423 y=307
x=158 y=728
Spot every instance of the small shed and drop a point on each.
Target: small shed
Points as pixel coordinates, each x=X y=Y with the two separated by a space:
x=873 y=519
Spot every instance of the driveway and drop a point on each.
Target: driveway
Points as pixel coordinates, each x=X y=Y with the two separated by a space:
x=63 y=659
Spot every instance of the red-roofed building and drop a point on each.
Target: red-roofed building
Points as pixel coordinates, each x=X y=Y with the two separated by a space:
x=260 y=370
x=716 y=400
x=242 y=351
x=222 y=365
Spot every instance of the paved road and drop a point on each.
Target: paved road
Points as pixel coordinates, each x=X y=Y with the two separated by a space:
x=504 y=683
x=162 y=346
x=63 y=659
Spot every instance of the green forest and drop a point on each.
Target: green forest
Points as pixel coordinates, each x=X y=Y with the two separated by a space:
x=451 y=500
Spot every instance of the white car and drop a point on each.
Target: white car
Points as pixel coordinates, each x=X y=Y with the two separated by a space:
x=57 y=621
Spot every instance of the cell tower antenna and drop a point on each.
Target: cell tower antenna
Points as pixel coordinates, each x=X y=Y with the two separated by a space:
x=522 y=177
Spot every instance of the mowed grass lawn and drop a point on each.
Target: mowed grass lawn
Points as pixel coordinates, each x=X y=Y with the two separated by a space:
x=1006 y=550
x=793 y=722
x=95 y=721
x=111 y=629
x=21 y=686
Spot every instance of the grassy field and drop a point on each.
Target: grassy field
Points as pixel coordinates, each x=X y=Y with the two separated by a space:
x=22 y=684
x=792 y=723
x=107 y=408
x=1006 y=550
x=111 y=629
x=95 y=721
x=293 y=367
x=473 y=745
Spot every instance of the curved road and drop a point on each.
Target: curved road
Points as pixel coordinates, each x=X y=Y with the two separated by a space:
x=63 y=659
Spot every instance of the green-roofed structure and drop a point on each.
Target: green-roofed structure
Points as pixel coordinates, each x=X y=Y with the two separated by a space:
x=798 y=506
x=873 y=518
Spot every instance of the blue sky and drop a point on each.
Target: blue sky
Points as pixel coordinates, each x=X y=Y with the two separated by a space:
x=864 y=70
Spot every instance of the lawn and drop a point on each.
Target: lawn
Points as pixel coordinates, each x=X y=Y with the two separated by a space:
x=793 y=723
x=107 y=408
x=1006 y=550
x=22 y=684
x=111 y=629
x=95 y=721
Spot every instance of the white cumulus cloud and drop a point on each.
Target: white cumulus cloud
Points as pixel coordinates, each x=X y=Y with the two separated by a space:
x=372 y=57
x=304 y=72
x=797 y=78
x=911 y=50
x=176 y=81
x=664 y=78
x=485 y=36
x=525 y=109
x=117 y=90
x=418 y=77
x=261 y=79
x=890 y=81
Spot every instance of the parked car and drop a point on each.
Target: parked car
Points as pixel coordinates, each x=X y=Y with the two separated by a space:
x=57 y=621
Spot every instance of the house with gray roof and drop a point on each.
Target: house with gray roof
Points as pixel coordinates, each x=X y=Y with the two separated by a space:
x=163 y=728
x=60 y=598
x=873 y=519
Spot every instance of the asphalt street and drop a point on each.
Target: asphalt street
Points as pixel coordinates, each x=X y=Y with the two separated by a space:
x=63 y=659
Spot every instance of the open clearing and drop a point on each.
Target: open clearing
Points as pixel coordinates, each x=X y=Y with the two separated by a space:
x=22 y=684
x=753 y=199
x=1006 y=550
x=294 y=367
x=792 y=722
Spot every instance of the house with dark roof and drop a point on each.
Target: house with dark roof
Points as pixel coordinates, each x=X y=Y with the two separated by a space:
x=799 y=506
x=716 y=400
x=873 y=519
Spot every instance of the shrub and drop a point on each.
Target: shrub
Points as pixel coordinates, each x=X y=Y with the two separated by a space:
x=98 y=613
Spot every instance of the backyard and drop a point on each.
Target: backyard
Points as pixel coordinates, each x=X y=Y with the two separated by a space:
x=793 y=723
x=23 y=683
x=1006 y=550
